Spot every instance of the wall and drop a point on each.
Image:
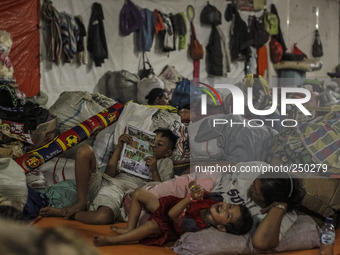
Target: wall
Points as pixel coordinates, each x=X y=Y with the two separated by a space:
x=123 y=55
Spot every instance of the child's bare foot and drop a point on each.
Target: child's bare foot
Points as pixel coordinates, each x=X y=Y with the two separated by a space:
x=72 y=210
x=119 y=230
x=103 y=240
x=51 y=211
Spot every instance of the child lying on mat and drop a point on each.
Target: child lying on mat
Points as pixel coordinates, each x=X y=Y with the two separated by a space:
x=173 y=216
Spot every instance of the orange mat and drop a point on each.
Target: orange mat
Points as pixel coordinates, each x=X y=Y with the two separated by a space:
x=137 y=249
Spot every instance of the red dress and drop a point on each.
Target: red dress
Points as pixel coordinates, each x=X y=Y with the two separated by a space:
x=170 y=231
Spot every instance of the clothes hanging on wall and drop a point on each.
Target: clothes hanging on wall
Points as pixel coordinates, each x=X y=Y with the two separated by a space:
x=50 y=15
x=81 y=40
x=239 y=43
x=69 y=32
x=279 y=36
x=96 y=41
x=262 y=60
x=146 y=32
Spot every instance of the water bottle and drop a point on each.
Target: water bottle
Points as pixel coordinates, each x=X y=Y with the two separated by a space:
x=327 y=237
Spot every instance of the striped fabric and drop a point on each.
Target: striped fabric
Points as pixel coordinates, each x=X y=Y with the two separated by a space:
x=70 y=33
x=51 y=16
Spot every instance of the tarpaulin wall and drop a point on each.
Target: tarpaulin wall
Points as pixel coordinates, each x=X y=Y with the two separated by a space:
x=21 y=19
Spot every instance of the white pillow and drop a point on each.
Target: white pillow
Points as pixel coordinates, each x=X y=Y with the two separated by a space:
x=304 y=234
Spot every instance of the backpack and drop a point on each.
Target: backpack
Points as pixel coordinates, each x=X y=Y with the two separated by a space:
x=271 y=23
x=317 y=50
x=257 y=31
x=276 y=51
x=130 y=18
x=210 y=15
x=184 y=93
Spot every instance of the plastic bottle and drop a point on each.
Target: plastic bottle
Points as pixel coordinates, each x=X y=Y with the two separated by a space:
x=327 y=237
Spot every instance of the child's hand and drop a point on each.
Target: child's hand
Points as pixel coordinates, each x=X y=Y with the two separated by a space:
x=124 y=138
x=196 y=191
x=151 y=162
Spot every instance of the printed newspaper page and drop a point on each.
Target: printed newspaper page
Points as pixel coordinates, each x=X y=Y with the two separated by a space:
x=133 y=157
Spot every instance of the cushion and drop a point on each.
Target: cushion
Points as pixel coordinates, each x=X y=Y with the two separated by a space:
x=322 y=195
x=303 y=235
x=202 y=150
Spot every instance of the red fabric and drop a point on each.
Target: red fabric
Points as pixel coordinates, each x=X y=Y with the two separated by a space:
x=159 y=22
x=262 y=60
x=170 y=231
x=297 y=51
x=21 y=19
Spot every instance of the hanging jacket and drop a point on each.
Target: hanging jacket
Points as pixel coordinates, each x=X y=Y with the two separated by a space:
x=217 y=58
x=96 y=41
x=239 y=43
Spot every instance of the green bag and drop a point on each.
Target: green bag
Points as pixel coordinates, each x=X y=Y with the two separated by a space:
x=271 y=23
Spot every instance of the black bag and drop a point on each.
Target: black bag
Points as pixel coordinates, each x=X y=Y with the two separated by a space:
x=317 y=46
x=210 y=15
x=258 y=32
x=30 y=114
x=146 y=69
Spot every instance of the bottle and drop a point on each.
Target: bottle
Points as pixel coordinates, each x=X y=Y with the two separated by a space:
x=327 y=237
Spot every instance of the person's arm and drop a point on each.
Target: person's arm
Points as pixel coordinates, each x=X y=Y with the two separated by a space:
x=196 y=193
x=112 y=165
x=151 y=162
x=267 y=233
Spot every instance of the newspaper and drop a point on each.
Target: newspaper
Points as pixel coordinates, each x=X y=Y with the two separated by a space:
x=133 y=157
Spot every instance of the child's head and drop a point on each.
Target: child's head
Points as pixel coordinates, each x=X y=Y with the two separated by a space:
x=157 y=96
x=230 y=218
x=278 y=187
x=165 y=143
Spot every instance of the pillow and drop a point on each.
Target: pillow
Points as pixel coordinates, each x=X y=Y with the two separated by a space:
x=303 y=235
x=202 y=150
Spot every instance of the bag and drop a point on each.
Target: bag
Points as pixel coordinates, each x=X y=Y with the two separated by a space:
x=317 y=46
x=170 y=76
x=147 y=68
x=257 y=31
x=261 y=90
x=145 y=85
x=130 y=18
x=8 y=96
x=185 y=93
x=13 y=183
x=210 y=15
x=195 y=48
x=30 y=114
x=271 y=23
x=119 y=85
x=276 y=50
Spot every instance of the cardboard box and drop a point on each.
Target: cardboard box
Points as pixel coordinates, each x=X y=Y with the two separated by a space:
x=322 y=195
x=45 y=132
